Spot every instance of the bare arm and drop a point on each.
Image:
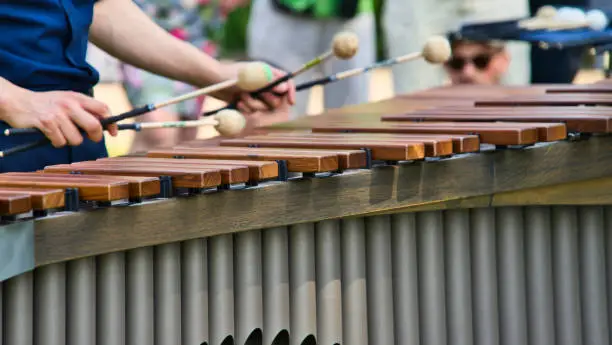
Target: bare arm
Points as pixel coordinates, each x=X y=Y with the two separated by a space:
x=123 y=30
x=120 y=28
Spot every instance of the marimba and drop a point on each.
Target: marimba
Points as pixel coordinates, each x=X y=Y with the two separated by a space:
x=472 y=215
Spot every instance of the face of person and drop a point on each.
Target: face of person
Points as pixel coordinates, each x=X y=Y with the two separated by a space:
x=474 y=63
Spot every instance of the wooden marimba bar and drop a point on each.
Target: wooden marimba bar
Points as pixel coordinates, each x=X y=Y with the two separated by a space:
x=429 y=251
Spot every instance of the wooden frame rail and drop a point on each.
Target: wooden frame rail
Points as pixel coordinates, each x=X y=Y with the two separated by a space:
x=506 y=177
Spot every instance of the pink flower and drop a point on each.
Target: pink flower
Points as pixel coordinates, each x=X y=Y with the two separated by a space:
x=203 y=2
x=179 y=33
x=210 y=48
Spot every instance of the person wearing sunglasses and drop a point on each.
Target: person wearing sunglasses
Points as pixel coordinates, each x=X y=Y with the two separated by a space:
x=474 y=62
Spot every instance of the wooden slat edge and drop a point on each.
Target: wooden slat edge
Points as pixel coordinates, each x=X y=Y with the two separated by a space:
x=357 y=194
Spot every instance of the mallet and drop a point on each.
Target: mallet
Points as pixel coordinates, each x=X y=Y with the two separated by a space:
x=436 y=50
x=251 y=77
x=227 y=122
x=344 y=46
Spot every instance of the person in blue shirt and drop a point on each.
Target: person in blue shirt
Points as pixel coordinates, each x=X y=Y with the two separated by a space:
x=45 y=81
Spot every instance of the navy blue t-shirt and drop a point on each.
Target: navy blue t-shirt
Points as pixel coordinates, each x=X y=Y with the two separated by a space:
x=43 y=47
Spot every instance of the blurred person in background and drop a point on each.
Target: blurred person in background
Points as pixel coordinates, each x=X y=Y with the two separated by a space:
x=482 y=63
x=407 y=24
x=290 y=33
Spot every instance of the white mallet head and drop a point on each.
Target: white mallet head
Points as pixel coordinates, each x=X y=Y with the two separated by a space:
x=254 y=76
x=597 y=20
x=546 y=12
x=231 y=122
x=345 y=45
x=437 y=50
x=570 y=14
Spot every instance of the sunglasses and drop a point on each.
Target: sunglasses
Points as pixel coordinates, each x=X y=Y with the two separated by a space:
x=479 y=61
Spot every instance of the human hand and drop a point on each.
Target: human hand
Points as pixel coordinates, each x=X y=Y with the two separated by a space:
x=57 y=114
x=282 y=95
x=262 y=119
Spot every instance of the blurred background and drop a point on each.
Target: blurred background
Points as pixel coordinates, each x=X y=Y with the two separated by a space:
x=232 y=45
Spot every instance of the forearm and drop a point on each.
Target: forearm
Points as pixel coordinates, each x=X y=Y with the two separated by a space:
x=124 y=31
x=8 y=93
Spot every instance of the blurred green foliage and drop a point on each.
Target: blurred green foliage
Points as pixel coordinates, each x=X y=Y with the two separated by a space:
x=233 y=44
x=234 y=39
